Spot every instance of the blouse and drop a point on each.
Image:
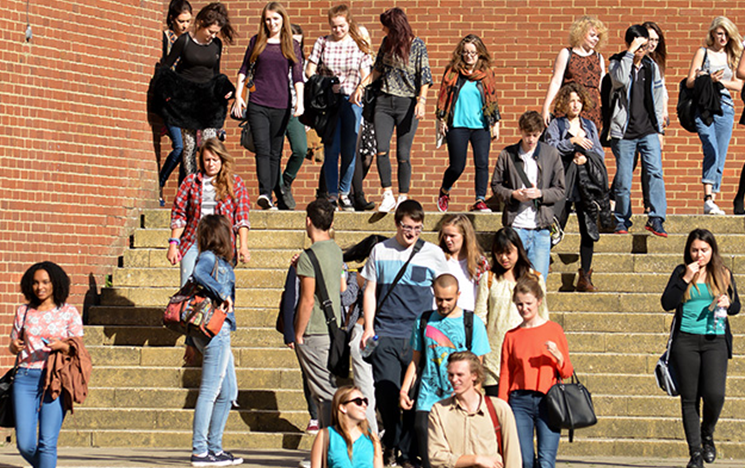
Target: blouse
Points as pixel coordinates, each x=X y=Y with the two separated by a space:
x=404 y=80
x=363 y=452
x=342 y=59
x=59 y=323
x=273 y=74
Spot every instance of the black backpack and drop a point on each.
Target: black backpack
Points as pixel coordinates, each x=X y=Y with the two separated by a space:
x=686 y=107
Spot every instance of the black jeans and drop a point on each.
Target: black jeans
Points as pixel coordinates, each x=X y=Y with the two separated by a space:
x=700 y=364
x=394 y=111
x=421 y=426
x=268 y=127
x=457 y=139
x=389 y=362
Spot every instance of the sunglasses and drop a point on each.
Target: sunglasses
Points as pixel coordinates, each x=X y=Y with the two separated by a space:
x=359 y=401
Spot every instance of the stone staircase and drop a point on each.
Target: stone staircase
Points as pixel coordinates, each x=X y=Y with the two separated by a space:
x=142 y=395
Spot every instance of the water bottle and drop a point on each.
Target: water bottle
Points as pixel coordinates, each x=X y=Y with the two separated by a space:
x=370 y=346
x=720 y=313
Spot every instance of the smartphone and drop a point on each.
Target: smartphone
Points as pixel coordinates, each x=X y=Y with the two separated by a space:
x=45 y=341
x=716 y=70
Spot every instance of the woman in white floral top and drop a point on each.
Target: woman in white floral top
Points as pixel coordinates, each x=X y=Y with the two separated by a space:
x=494 y=298
x=39 y=329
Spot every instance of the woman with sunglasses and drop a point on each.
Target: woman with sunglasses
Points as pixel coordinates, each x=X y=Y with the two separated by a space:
x=348 y=442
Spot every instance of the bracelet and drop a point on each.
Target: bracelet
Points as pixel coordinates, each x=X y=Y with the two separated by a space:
x=174 y=240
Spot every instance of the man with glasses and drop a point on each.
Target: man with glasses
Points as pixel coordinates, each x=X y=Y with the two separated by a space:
x=391 y=308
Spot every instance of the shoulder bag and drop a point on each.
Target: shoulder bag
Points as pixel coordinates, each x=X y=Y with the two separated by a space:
x=663 y=372
x=495 y=421
x=7 y=414
x=570 y=406
x=191 y=311
x=338 y=362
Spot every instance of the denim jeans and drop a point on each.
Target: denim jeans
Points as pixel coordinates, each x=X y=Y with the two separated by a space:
x=187 y=263
x=363 y=376
x=715 y=141
x=537 y=243
x=217 y=391
x=344 y=142
x=28 y=389
x=174 y=158
x=457 y=140
x=651 y=156
x=531 y=414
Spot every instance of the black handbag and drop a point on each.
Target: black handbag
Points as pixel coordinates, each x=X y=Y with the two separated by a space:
x=663 y=372
x=338 y=362
x=372 y=91
x=247 y=137
x=7 y=413
x=570 y=406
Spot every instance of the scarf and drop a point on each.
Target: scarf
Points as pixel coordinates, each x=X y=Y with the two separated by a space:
x=488 y=89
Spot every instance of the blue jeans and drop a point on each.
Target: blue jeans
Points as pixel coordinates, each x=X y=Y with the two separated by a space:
x=174 y=158
x=344 y=142
x=531 y=414
x=537 y=244
x=715 y=141
x=187 y=263
x=651 y=156
x=219 y=388
x=28 y=389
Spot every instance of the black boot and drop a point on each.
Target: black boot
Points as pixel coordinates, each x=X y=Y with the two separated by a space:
x=709 y=453
x=360 y=204
x=696 y=460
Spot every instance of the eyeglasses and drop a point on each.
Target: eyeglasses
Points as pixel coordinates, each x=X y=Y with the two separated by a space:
x=359 y=401
x=467 y=53
x=406 y=228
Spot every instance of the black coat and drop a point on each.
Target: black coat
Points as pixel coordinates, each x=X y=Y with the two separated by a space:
x=321 y=106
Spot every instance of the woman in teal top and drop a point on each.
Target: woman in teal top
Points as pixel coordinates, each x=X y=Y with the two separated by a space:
x=702 y=291
x=348 y=442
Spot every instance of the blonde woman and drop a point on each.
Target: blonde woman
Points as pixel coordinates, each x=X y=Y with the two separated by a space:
x=718 y=60
x=348 y=442
x=466 y=261
x=580 y=63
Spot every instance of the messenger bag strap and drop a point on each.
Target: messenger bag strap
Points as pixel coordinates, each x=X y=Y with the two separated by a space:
x=326 y=304
x=417 y=247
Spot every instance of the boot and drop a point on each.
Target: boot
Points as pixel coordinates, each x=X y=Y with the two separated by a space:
x=584 y=283
x=696 y=461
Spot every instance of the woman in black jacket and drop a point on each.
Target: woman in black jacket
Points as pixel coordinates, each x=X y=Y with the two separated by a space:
x=702 y=291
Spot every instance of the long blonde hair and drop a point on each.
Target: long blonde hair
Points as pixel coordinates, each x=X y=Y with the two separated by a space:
x=734 y=40
x=578 y=31
x=354 y=30
x=285 y=36
x=223 y=182
x=340 y=397
x=474 y=254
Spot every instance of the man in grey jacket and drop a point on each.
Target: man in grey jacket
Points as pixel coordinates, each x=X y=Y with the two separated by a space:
x=529 y=205
x=636 y=126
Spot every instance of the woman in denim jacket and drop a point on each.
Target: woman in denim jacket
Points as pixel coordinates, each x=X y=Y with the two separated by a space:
x=219 y=386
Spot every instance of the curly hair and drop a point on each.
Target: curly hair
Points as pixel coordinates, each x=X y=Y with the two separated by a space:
x=561 y=103
x=216 y=13
x=734 y=43
x=224 y=184
x=458 y=64
x=58 y=277
x=578 y=30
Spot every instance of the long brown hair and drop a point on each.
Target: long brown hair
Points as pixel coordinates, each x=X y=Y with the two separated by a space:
x=215 y=13
x=400 y=35
x=213 y=234
x=660 y=52
x=354 y=30
x=483 y=63
x=717 y=275
x=470 y=243
x=341 y=396
x=224 y=184
x=285 y=36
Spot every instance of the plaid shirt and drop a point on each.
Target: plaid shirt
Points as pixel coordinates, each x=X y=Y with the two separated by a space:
x=187 y=209
x=342 y=59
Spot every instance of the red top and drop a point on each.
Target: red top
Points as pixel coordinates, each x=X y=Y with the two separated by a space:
x=526 y=362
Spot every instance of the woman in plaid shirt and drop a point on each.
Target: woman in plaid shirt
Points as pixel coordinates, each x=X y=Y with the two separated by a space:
x=212 y=190
x=345 y=54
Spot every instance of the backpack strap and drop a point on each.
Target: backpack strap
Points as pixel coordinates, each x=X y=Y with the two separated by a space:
x=468 y=325
x=497 y=425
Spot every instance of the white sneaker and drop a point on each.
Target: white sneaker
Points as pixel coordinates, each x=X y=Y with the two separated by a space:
x=711 y=208
x=265 y=203
x=304 y=464
x=401 y=198
x=388 y=203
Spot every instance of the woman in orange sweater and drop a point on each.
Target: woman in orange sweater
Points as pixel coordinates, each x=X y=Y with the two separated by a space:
x=532 y=355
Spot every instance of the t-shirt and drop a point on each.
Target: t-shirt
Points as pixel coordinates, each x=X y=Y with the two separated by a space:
x=209 y=196
x=274 y=75
x=442 y=337
x=527 y=212
x=330 y=260
x=196 y=62
x=640 y=122
x=412 y=294
x=697 y=318
x=469 y=112
x=467 y=286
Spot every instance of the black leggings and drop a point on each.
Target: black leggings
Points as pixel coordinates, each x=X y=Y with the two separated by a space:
x=700 y=364
x=394 y=111
x=421 y=427
x=586 y=244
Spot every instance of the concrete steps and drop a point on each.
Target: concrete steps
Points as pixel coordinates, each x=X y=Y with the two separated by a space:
x=143 y=395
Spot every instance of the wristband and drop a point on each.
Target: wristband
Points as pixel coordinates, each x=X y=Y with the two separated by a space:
x=174 y=240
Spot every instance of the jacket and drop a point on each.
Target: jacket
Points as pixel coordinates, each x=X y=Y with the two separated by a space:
x=708 y=98
x=321 y=106
x=68 y=374
x=621 y=69
x=672 y=298
x=550 y=182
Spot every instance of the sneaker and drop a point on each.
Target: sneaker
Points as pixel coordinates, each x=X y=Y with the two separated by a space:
x=443 y=201
x=304 y=463
x=654 y=225
x=287 y=197
x=313 y=427
x=711 y=208
x=207 y=460
x=621 y=230
x=227 y=456
x=401 y=198
x=265 y=202
x=344 y=203
x=480 y=206
x=388 y=203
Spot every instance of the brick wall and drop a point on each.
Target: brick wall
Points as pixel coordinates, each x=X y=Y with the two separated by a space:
x=79 y=158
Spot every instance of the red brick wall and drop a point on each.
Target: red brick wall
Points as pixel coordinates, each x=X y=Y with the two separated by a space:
x=76 y=148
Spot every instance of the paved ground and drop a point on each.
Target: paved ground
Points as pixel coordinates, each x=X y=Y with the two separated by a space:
x=148 y=457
